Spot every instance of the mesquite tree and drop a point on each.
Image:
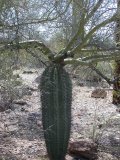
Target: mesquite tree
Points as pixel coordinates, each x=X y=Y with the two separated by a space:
x=80 y=53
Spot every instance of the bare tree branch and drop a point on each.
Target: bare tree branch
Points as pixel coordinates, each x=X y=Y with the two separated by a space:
x=37 y=21
x=110 y=56
x=95 y=8
x=36 y=56
x=87 y=37
x=47 y=52
x=29 y=44
x=109 y=81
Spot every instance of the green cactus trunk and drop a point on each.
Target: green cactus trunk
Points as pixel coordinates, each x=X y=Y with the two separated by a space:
x=56 y=98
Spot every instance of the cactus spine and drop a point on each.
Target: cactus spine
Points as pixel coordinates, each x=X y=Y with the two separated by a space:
x=56 y=97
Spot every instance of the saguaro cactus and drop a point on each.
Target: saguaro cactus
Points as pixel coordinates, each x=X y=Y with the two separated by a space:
x=56 y=97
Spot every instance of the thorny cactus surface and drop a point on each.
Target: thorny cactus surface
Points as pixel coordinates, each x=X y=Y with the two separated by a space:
x=56 y=97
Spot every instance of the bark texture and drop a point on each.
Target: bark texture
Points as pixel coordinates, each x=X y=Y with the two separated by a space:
x=116 y=86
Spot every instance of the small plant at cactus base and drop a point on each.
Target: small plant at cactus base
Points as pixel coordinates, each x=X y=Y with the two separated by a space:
x=56 y=98
x=8 y=85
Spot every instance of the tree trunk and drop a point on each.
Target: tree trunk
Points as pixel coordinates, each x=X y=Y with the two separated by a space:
x=77 y=15
x=116 y=86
